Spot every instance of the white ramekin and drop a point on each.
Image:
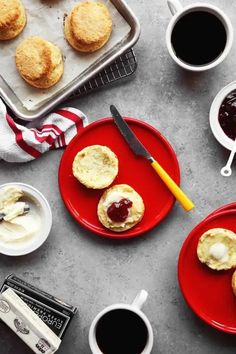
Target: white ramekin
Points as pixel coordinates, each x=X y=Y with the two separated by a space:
x=43 y=209
x=218 y=132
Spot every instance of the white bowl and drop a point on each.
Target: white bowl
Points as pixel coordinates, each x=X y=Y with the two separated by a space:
x=41 y=206
x=214 y=119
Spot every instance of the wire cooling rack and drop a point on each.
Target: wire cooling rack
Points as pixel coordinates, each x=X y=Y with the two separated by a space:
x=122 y=67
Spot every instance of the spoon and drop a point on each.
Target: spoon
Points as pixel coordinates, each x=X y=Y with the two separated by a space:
x=226 y=171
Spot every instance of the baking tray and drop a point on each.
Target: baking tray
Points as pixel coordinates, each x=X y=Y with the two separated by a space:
x=21 y=112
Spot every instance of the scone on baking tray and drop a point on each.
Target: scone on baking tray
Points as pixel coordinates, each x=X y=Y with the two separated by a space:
x=217 y=249
x=88 y=26
x=39 y=62
x=95 y=166
x=12 y=19
x=120 y=208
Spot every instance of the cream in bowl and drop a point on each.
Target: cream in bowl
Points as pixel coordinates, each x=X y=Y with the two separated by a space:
x=223 y=116
x=25 y=219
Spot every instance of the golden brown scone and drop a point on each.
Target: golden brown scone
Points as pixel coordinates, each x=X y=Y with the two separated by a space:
x=234 y=282
x=12 y=19
x=39 y=62
x=217 y=249
x=116 y=212
x=88 y=27
x=95 y=166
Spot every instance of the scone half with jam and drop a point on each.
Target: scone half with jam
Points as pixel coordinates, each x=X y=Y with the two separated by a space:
x=120 y=208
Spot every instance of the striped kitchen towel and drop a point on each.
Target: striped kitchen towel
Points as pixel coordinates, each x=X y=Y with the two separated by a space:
x=22 y=143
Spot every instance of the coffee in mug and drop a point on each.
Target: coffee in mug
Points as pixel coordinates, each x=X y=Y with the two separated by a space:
x=199 y=36
x=122 y=329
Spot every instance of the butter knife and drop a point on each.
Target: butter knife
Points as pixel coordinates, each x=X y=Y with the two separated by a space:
x=139 y=150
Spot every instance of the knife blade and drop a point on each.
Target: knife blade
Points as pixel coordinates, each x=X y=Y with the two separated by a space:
x=132 y=140
x=139 y=150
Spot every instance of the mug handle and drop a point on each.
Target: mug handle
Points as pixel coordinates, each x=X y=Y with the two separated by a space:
x=174 y=6
x=140 y=299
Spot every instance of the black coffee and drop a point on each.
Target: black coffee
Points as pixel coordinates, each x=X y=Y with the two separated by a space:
x=198 y=38
x=121 y=332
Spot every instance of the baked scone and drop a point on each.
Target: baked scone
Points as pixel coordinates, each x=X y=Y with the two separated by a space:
x=95 y=166
x=120 y=208
x=88 y=27
x=12 y=19
x=217 y=249
x=39 y=62
x=234 y=282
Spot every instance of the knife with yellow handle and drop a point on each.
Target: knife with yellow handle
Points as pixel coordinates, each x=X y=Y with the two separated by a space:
x=140 y=150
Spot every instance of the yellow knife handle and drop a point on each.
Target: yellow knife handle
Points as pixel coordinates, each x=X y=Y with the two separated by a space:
x=186 y=203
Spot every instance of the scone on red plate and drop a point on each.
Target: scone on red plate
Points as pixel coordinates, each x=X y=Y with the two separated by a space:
x=234 y=282
x=217 y=249
x=120 y=208
x=95 y=166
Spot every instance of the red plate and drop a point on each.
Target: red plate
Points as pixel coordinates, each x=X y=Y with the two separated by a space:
x=208 y=292
x=230 y=206
x=135 y=171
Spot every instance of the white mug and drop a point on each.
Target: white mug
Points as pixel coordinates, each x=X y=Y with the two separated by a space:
x=179 y=11
x=134 y=307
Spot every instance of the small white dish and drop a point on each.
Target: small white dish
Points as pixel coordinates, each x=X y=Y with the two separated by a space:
x=39 y=203
x=218 y=132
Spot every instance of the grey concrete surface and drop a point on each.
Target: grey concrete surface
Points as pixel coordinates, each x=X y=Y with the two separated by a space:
x=92 y=272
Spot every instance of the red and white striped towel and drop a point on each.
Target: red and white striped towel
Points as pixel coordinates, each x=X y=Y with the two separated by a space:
x=20 y=143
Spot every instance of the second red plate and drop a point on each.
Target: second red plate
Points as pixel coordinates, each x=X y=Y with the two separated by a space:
x=135 y=171
x=208 y=292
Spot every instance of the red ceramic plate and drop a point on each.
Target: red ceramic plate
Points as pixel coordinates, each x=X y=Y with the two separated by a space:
x=208 y=292
x=135 y=171
x=230 y=206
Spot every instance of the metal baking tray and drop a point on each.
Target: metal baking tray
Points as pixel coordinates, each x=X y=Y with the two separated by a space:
x=16 y=106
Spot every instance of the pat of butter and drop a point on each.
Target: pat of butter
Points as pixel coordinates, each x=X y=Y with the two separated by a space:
x=9 y=195
x=219 y=251
x=26 y=324
x=11 y=211
x=113 y=197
